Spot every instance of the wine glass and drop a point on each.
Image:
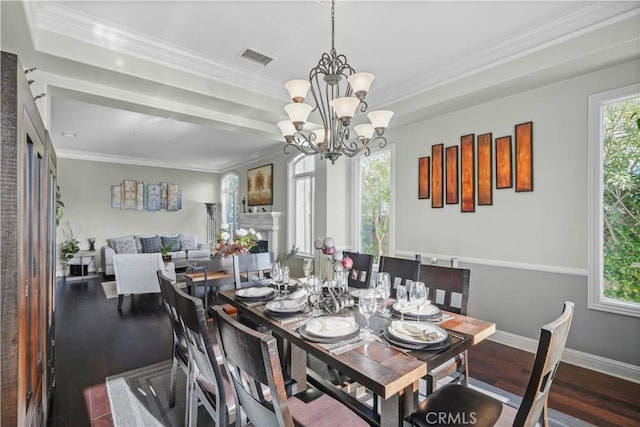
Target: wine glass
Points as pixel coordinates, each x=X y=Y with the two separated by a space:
x=314 y=286
x=276 y=275
x=285 y=278
x=384 y=289
x=307 y=268
x=367 y=306
x=401 y=296
x=418 y=296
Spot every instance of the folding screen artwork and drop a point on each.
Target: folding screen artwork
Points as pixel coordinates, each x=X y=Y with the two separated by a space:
x=485 y=169
x=138 y=195
x=423 y=178
x=437 y=183
x=524 y=157
x=504 y=177
x=467 y=174
x=452 y=174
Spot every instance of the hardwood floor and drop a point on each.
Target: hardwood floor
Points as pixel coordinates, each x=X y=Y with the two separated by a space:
x=94 y=340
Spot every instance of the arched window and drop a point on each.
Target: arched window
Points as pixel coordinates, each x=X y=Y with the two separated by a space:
x=229 y=197
x=301 y=174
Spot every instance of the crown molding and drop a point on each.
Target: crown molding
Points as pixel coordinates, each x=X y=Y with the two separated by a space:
x=67 y=22
x=590 y=18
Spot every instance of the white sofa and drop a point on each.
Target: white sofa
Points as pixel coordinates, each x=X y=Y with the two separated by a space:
x=185 y=246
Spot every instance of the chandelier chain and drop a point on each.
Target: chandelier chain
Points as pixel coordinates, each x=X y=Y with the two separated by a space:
x=333 y=25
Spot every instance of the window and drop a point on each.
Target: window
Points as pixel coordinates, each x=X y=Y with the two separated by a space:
x=373 y=204
x=230 y=184
x=301 y=170
x=614 y=204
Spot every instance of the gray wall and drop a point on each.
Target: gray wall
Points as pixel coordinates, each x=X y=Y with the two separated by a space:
x=543 y=233
x=86 y=193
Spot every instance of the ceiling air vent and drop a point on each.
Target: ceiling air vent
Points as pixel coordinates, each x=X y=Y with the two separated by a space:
x=254 y=56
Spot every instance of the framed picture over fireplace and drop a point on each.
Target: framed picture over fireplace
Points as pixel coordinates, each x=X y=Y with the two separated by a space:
x=260 y=185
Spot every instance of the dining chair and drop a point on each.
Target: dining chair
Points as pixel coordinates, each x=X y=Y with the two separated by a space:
x=448 y=290
x=136 y=274
x=360 y=273
x=180 y=353
x=251 y=269
x=211 y=286
x=400 y=270
x=208 y=384
x=466 y=403
x=252 y=363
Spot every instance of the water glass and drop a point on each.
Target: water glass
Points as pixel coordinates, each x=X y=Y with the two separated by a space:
x=367 y=306
x=384 y=290
x=285 y=278
x=418 y=296
x=402 y=297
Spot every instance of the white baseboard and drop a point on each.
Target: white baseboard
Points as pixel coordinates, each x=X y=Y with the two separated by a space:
x=611 y=367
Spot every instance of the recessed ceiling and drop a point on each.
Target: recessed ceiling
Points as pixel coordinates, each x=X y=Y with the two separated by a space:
x=172 y=71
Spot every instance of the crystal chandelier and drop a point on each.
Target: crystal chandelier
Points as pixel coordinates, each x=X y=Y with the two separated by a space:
x=336 y=111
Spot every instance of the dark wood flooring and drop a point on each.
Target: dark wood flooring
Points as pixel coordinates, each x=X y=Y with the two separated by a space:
x=94 y=340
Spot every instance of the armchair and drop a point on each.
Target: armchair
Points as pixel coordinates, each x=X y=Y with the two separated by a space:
x=137 y=274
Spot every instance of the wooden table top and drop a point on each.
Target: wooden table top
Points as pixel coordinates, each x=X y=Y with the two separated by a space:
x=383 y=369
x=211 y=275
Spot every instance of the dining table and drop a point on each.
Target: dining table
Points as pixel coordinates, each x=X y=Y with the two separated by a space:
x=388 y=371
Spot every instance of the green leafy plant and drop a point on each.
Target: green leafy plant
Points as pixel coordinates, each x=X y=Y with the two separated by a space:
x=164 y=250
x=70 y=246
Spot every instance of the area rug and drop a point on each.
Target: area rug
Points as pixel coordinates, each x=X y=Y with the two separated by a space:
x=141 y=398
x=109 y=289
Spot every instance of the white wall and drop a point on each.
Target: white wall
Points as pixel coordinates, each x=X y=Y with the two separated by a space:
x=86 y=193
x=543 y=233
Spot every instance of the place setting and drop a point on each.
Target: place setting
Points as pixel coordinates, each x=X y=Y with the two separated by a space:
x=294 y=304
x=413 y=335
x=255 y=294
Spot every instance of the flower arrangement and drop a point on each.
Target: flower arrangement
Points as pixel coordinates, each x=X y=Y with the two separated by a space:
x=240 y=244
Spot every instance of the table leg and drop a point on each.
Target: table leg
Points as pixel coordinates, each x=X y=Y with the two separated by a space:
x=395 y=408
x=298 y=366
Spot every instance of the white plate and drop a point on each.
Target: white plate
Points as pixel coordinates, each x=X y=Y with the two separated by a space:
x=257 y=292
x=285 y=306
x=408 y=308
x=357 y=292
x=417 y=332
x=331 y=327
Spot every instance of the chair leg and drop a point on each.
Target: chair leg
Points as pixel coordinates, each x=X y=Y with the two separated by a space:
x=172 y=389
x=465 y=374
x=120 y=299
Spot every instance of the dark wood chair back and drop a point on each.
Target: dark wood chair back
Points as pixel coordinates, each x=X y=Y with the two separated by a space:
x=448 y=287
x=400 y=270
x=553 y=337
x=210 y=381
x=252 y=363
x=250 y=270
x=360 y=273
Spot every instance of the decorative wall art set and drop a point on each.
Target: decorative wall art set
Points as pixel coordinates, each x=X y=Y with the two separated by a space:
x=468 y=170
x=138 y=195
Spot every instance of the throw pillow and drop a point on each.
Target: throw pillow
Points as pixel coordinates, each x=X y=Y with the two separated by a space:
x=125 y=246
x=192 y=238
x=112 y=242
x=171 y=240
x=138 y=241
x=187 y=244
x=150 y=244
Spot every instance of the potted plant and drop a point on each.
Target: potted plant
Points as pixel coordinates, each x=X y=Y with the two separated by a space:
x=164 y=250
x=70 y=246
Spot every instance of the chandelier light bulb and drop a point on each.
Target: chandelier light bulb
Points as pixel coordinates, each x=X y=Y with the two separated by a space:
x=345 y=108
x=380 y=120
x=364 y=130
x=298 y=113
x=360 y=83
x=287 y=128
x=297 y=89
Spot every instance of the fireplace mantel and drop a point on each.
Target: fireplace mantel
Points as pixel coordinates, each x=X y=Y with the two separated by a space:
x=267 y=223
